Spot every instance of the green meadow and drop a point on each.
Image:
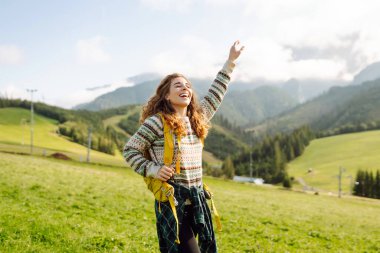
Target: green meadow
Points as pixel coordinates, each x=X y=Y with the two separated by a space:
x=15 y=137
x=325 y=156
x=50 y=205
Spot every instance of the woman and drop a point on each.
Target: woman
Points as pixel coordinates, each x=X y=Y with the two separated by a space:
x=175 y=100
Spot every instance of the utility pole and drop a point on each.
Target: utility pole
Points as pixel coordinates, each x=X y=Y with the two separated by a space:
x=341 y=170
x=89 y=144
x=31 y=118
x=250 y=162
x=250 y=157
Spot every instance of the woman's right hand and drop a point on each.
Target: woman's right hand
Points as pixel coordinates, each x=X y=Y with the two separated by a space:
x=235 y=51
x=164 y=173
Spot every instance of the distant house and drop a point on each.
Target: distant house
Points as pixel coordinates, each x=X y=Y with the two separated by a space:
x=254 y=180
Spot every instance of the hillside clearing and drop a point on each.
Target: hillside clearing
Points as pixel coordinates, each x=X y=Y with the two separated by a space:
x=323 y=157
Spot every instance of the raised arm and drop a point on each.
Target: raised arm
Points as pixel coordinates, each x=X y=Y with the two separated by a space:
x=211 y=102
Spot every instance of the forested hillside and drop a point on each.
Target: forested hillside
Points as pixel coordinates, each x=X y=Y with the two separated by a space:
x=338 y=108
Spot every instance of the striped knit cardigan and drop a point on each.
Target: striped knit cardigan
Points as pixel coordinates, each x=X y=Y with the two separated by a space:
x=150 y=137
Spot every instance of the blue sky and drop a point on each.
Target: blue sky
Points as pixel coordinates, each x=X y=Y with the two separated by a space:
x=63 y=47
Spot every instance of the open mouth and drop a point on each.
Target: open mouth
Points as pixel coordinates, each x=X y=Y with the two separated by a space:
x=184 y=95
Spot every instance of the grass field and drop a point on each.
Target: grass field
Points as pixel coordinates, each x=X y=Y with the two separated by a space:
x=325 y=156
x=15 y=137
x=49 y=205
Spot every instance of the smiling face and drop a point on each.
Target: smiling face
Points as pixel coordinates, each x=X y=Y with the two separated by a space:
x=180 y=93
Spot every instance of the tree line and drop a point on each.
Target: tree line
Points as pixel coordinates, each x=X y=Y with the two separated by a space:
x=367 y=184
x=350 y=128
x=130 y=124
x=270 y=155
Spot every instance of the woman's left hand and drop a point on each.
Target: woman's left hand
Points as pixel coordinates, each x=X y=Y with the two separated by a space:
x=235 y=51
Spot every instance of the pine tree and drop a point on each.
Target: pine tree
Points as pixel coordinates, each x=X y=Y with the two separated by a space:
x=377 y=185
x=297 y=146
x=367 y=182
x=360 y=183
x=371 y=184
x=228 y=168
x=287 y=183
x=290 y=150
x=279 y=163
x=356 y=190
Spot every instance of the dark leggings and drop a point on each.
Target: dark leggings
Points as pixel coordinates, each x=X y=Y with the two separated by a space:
x=186 y=236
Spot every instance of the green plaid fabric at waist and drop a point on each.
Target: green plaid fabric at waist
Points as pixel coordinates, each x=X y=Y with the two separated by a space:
x=201 y=223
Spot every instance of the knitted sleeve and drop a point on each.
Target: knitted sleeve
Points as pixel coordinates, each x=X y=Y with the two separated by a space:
x=139 y=144
x=211 y=102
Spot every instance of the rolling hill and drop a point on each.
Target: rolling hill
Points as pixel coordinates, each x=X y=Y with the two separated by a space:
x=319 y=165
x=15 y=137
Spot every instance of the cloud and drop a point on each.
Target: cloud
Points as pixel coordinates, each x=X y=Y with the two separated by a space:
x=341 y=31
x=191 y=56
x=284 y=39
x=10 y=55
x=318 y=69
x=90 y=51
x=342 y=35
x=263 y=58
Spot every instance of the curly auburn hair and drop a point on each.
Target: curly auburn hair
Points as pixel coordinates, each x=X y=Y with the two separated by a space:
x=158 y=104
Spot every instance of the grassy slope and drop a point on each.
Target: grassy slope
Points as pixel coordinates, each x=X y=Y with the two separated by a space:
x=211 y=159
x=114 y=120
x=230 y=134
x=55 y=206
x=326 y=155
x=15 y=136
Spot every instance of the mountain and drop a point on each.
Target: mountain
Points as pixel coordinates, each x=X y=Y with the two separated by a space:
x=239 y=106
x=369 y=73
x=307 y=89
x=137 y=94
x=253 y=106
x=122 y=96
x=353 y=104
